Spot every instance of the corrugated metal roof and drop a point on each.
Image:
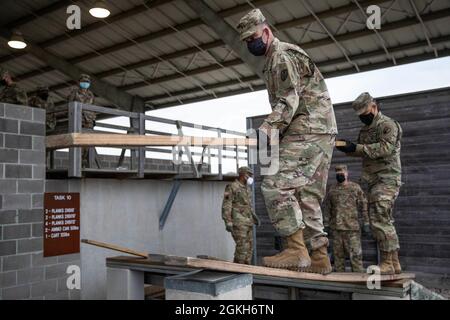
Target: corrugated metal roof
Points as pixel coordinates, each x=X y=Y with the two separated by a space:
x=166 y=54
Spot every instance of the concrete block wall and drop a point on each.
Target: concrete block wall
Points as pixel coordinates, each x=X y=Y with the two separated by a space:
x=24 y=273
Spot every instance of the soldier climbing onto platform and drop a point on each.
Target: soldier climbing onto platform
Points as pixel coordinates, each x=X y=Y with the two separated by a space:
x=379 y=146
x=11 y=92
x=343 y=203
x=238 y=215
x=303 y=113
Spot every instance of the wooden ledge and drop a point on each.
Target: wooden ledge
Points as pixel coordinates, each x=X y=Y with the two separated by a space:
x=117 y=140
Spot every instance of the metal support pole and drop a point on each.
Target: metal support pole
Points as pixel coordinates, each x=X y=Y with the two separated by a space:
x=75 y=111
x=237 y=159
x=188 y=151
x=220 y=149
x=134 y=124
x=173 y=193
x=141 y=165
x=251 y=164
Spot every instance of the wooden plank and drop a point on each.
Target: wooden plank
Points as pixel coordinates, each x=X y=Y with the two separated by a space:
x=120 y=140
x=115 y=248
x=258 y=270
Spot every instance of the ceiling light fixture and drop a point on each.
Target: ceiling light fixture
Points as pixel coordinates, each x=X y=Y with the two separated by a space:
x=100 y=10
x=17 y=41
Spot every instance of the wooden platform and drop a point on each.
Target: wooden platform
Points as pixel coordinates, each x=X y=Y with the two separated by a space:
x=121 y=140
x=196 y=263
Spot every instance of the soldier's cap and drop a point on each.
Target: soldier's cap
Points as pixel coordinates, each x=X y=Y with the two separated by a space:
x=245 y=170
x=85 y=77
x=248 y=25
x=4 y=73
x=361 y=104
x=340 y=167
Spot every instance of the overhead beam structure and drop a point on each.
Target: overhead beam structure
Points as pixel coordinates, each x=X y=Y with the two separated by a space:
x=30 y=18
x=132 y=42
x=346 y=71
x=320 y=64
x=101 y=88
x=70 y=34
x=227 y=33
x=191 y=50
x=309 y=45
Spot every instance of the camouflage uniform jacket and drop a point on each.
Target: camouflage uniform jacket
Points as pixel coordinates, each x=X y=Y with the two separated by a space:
x=86 y=97
x=379 y=146
x=14 y=94
x=297 y=92
x=237 y=205
x=342 y=206
x=38 y=102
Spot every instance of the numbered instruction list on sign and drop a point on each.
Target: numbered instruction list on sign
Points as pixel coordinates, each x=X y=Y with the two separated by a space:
x=61 y=223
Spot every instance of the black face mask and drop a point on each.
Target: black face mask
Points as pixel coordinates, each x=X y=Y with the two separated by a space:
x=340 y=177
x=43 y=96
x=367 y=118
x=257 y=47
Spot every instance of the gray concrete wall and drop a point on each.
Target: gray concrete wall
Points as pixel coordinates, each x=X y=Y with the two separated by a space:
x=126 y=212
x=24 y=273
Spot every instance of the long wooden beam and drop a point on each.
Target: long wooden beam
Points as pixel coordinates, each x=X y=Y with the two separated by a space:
x=120 y=140
x=349 y=277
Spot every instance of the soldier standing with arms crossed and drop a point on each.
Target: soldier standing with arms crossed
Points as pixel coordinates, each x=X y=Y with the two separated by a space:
x=238 y=215
x=344 y=200
x=82 y=94
x=303 y=113
x=42 y=100
x=379 y=146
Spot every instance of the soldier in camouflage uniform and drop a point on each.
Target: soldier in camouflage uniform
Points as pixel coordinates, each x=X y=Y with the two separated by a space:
x=42 y=100
x=379 y=146
x=238 y=215
x=84 y=95
x=303 y=113
x=344 y=200
x=12 y=92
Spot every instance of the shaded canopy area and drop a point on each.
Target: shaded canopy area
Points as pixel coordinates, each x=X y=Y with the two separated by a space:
x=166 y=54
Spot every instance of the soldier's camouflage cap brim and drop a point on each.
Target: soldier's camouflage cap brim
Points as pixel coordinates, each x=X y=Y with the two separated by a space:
x=4 y=73
x=340 y=167
x=248 y=25
x=85 y=77
x=361 y=104
x=245 y=170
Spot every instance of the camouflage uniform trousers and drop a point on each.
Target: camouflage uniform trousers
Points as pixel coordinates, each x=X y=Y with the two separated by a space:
x=243 y=236
x=382 y=196
x=88 y=122
x=294 y=194
x=347 y=242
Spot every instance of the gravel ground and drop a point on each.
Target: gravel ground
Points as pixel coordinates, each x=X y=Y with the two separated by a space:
x=443 y=292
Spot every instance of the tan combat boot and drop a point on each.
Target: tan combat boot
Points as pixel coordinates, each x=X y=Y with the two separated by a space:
x=396 y=262
x=295 y=255
x=320 y=262
x=386 y=266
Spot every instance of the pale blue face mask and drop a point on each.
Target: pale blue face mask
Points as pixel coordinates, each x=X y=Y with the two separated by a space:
x=85 y=85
